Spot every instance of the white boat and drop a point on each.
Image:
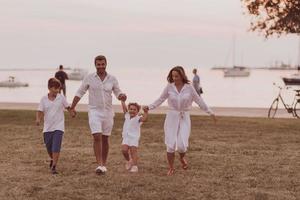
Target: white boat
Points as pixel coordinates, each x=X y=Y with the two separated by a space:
x=77 y=74
x=11 y=82
x=237 y=71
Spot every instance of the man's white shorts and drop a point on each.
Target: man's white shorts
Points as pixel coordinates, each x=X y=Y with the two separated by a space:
x=100 y=122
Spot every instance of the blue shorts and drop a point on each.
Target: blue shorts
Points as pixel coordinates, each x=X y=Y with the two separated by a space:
x=53 y=141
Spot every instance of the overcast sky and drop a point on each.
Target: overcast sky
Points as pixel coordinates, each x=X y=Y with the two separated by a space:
x=134 y=33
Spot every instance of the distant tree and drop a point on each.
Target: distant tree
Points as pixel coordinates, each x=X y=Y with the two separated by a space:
x=274 y=16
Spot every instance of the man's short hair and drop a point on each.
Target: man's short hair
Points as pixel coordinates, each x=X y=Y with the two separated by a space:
x=54 y=82
x=100 y=57
x=61 y=67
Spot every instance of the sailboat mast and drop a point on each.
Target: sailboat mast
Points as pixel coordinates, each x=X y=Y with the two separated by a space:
x=233 y=50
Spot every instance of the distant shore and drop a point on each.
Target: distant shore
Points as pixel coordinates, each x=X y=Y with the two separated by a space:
x=219 y=111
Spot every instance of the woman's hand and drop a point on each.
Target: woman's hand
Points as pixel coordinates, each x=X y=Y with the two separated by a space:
x=145 y=108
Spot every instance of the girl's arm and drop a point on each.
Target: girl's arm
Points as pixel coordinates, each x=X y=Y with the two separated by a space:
x=145 y=115
x=39 y=116
x=124 y=107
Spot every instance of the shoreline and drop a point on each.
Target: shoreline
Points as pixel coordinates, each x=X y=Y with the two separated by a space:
x=219 y=111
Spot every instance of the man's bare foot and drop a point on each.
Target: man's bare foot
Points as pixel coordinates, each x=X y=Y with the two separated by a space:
x=128 y=165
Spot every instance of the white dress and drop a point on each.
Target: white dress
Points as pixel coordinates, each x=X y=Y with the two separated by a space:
x=131 y=130
x=177 y=125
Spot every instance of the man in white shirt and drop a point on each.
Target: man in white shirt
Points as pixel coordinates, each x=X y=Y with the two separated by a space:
x=101 y=85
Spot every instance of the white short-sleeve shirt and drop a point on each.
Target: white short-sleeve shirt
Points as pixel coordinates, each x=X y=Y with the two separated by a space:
x=54 y=118
x=132 y=126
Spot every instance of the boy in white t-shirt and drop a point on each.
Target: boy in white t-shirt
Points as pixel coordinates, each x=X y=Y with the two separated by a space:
x=131 y=134
x=52 y=108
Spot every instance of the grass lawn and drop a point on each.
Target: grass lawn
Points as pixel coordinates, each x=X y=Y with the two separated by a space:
x=238 y=158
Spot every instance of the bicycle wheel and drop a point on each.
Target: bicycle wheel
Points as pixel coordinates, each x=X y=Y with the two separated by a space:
x=297 y=109
x=273 y=109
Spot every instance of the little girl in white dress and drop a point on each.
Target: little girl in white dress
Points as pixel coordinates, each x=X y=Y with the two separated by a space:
x=131 y=134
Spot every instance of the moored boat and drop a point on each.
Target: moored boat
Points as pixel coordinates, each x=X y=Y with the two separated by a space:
x=11 y=82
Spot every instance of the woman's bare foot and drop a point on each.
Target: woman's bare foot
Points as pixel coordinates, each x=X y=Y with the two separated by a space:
x=171 y=172
x=184 y=163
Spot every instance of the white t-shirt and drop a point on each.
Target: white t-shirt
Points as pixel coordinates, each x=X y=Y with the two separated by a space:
x=132 y=127
x=54 y=118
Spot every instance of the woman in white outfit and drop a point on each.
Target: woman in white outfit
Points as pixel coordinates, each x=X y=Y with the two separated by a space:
x=180 y=94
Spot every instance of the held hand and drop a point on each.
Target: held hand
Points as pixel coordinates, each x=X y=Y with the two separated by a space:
x=73 y=113
x=146 y=108
x=122 y=97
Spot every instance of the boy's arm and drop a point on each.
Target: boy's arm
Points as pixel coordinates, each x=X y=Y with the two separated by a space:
x=124 y=107
x=145 y=116
x=39 y=116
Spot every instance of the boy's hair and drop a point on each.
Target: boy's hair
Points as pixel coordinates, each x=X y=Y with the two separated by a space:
x=136 y=105
x=61 y=67
x=54 y=82
x=100 y=57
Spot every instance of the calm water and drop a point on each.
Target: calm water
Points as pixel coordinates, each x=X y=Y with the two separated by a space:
x=145 y=86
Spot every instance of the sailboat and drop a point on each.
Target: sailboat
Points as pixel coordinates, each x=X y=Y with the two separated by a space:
x=12 y=83
x=236 y=71
x=293 y=79
x=77 y=74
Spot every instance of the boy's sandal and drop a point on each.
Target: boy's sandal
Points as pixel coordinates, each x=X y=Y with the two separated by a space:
x=51 y=163
x=171 y=172
x=184 y=164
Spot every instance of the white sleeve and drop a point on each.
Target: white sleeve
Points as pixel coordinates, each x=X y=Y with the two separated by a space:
x=116 y=89
x=126 y=115
x=41 y=105
x=164 y=95
x=64 y=102
x=83 y=88
x=198 y=100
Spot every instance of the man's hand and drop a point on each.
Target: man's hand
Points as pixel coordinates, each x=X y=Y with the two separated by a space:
x=122 y=97
x=72 y=112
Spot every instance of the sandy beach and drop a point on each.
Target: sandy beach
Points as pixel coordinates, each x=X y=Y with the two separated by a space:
x=219 y=111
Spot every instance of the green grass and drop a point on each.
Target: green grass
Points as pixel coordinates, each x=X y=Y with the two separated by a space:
x=238 y=158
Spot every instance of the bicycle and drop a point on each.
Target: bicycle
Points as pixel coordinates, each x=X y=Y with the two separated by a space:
x=294 y=109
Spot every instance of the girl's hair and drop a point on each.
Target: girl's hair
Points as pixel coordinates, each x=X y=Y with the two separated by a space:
x=136 y=105
x=100 y=57
x=54 y=82
x=180 y=71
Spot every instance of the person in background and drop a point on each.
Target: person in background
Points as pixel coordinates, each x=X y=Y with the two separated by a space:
x=62 y=76
x=196 y=82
